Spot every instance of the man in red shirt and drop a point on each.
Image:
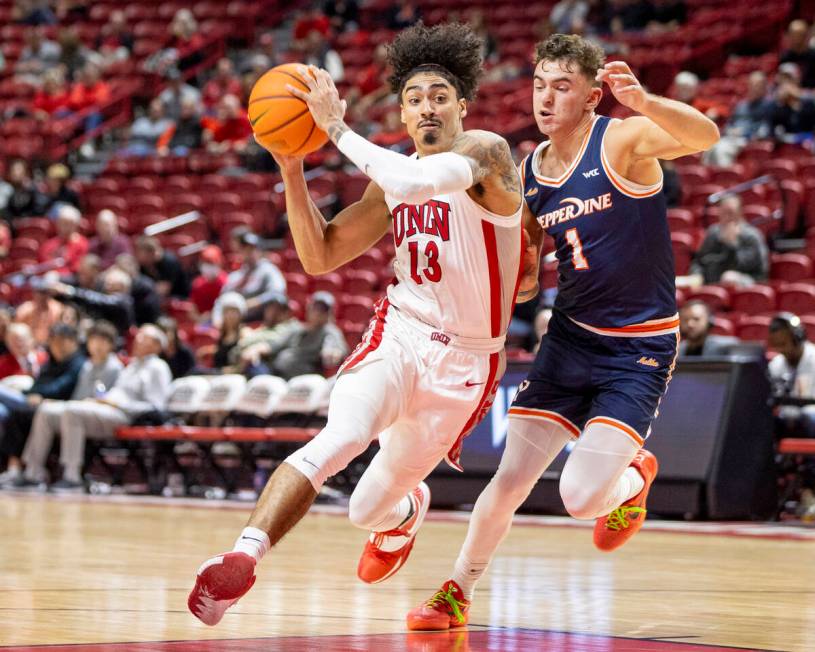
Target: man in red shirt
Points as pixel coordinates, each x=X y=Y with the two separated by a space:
x=208 y=284
x=68 y=245
x=22 y=359
x=89 y=90
x=229 y=129
x=224 y=82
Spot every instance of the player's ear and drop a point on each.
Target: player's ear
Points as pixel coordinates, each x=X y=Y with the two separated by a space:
x=462 y=108
x=595 y=95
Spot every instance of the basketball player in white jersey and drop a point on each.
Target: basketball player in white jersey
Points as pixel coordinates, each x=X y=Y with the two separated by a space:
x=428 y=367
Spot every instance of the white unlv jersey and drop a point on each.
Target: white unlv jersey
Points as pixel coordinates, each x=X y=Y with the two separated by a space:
x=457 y=265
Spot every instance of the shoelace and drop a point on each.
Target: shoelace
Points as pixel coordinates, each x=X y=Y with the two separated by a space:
x=618 y=519
x=447 y=596
x=379 y=537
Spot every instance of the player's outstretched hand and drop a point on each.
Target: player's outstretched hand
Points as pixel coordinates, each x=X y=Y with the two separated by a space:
x=529 y=265
x=623 y=84
x=323 y=99
x=286 y=162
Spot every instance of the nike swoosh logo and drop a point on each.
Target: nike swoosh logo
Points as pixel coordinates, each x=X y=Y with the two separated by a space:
x=532 y=192
x=255 y=121
x=308 y=461
x=469 y=384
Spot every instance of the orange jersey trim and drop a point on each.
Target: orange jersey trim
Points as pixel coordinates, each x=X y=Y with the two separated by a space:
x=549 y=181
x=573 y=430
x=664 y=326
x=619 y=425
x=616 y=180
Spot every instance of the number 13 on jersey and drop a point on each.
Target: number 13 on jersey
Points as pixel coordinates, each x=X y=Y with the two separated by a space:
x=433 y=270
x=578 y=259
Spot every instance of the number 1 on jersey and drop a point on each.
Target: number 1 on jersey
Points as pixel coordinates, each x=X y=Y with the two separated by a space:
x=578 y=258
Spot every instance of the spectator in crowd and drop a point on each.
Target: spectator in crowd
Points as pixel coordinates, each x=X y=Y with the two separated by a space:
x=88 y=274
x=686 y=89
x=72 y=11
x=5 y=320
x=629 y=15
x=695 y=324
x=89 y=91
x=185 y=134
x=256 y=346
x=24 y=199
x=33 y=12
x=73 y=54
x=372 y=85
x=489 y=48
x=667 y=15
x=671 y=183
x=229 y=129
x=115 y=41
x=98 y=373
x=224 y=82
x=793 y=118
x=800 y=52
x=146 y=131
x=52 y=100
x=177 y=355
x=108 y=244
x=40 y=314
x=57 y=191
x=146 y=300
x=22 y=357
x=751 y=119
x=310 y=20
x=208 y=284
x=114 y=303
x=56 y=380
x=141 y=387
x=68 y=246
x=315 y=50
x=177 y=93
x=402 y=15
x=5 y=238
x=392 y=131
x=733 y=251
x=792 y=373
x=566 y=12
x=257 y=279
x=342 y=14
x=313 y=346
x=38 y=55
x=227 y=315
x=163 y=267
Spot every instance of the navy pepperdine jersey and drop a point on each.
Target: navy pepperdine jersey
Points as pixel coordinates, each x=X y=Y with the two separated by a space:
x=615 y=260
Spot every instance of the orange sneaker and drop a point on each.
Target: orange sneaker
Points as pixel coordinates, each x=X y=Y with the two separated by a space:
x=220 y=583
x=447 y=608
x=613 y=530
x=386 y=552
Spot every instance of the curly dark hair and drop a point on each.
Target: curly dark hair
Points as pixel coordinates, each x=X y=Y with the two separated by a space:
x=451 y=50
x=572 y=49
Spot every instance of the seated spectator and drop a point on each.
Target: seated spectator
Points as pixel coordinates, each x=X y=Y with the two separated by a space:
x=667 y=15
x=695 y=323
x=53 y=99
x=185 y=134
x=140 y=388
x=73 y=53
x=146 y=131
x=177 y=355
x=208 y=284
x=97 y=374
x=793 y=116
x=733 y=251
x=89 y=90
x=313 y=346
x=177 y=93
x=146 y=299
x=229 y=129
x=629 y=15
x=108 y=243
x=113 y=303
x=72 y=11
x=224 y=82
x=792 y=373
x=229 y=311
x=671 y=183
x=40 y=314
x=751 y=119
x=68 y=246
x=56 y=380
x=5 y=240
x=163 y=267
x=38 y=55
x=372 y=85
x=342 y=14
x=402 y=15
x=392 y=132
x=309 y=20
x=315 y=50
x=256 y=346
x=33 y=12
x=566 y=12
x=185 y=41
x=257 y=279
x=22 y=357
x=686 y=89
x=800 y=52
x=88 y=275
x=5 y=321
x=57 y=191
x=24 y=200
x=115 y=40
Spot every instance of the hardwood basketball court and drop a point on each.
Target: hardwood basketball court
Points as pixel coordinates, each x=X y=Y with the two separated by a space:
x=80 y=572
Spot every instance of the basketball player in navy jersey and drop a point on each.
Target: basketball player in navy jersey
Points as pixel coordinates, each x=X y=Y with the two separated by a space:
x=595 y=187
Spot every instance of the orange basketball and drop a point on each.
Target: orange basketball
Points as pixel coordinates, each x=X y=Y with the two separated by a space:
x=281 y=121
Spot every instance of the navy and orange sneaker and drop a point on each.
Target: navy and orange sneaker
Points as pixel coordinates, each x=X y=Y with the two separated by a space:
x=613 y=530
x=220 y=583
x=386 y=552
x=447 y=608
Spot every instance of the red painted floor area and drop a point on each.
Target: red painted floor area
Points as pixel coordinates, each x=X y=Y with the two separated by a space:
x=497 y=640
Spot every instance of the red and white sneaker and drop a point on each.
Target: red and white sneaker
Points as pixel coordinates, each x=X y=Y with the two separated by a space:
x=613 y=530
x=445 y=609
x=220 y=583
x=386 y=552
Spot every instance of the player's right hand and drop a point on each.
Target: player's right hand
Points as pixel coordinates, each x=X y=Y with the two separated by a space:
x=286 y=162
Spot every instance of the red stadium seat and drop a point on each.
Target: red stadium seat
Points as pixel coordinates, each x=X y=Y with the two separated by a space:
x=680 y=219
x=790 y=267
x=754 y=328
x=753 y=300
x=797 y=297
x=332 y=282
x=715 y=296
x=360 y=281
x=723 y=326
x=372 y=260
x=356 y=308
x=682 y=244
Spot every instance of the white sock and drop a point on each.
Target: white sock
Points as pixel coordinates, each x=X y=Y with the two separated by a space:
x=253 y=542
x=400 y=513
x=466 y=573
x=630 y=483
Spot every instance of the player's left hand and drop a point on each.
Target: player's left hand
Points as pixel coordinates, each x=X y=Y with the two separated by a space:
x=625 y=87
x=529 y=265
x=323 y=99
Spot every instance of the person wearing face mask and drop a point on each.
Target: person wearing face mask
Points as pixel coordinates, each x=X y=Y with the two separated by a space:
x=208 y=284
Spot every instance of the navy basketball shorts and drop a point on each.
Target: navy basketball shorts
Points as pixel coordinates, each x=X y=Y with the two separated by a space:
x=579 y=377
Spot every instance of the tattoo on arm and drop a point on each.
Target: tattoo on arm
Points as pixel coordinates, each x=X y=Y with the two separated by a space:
x=337 y=129
x=492 y=158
